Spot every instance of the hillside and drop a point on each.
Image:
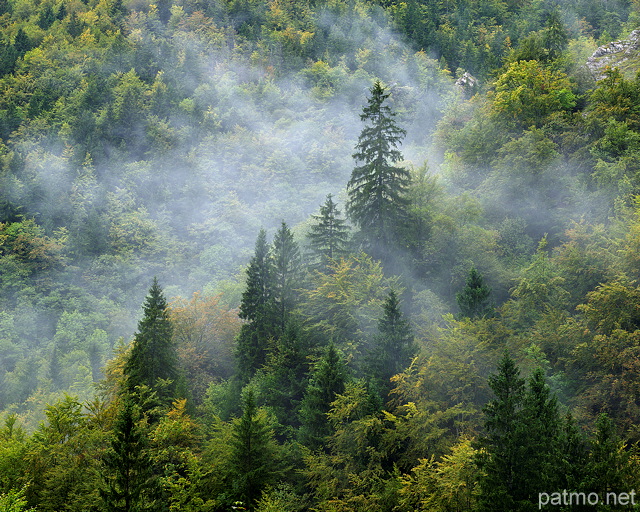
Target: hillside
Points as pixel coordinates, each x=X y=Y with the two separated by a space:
x=331 y=256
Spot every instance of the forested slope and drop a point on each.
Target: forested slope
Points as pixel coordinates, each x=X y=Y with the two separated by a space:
x=369 y=286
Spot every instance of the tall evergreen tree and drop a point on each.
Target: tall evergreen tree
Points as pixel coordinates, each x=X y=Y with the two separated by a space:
x=47 y=17
x=378 y=188
x=329 y=236
x=125 y=464
x=393 y=347
x=21 y=42
x=258 y=308
x=473 y=299
x=501 y=458
x=153 y=361
x=608 y=469
x=522 y=446
x=287 y=267
x=252 y=461
x=541 y=427
x=285 y=373
x=327 y=381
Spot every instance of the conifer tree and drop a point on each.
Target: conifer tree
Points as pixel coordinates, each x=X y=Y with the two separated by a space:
x=125 y=465
x=393 y=347
x=153 y=361
x=378 y=188
x=473 y=300
x=258 y=308
x=327 y=381
x=21 y=42
x=608 y=469
x=285 y=373
x=501 y=458
x=328 y=237
x=522 y=446
x=541 y=427
x=287 y=268
x=253 y=463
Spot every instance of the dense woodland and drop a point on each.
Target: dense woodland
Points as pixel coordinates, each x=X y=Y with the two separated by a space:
x=285 y=255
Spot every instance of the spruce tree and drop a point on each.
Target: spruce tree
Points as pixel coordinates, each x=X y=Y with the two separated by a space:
x=47 y=17
x=393 y=346
x=327 y=381
x=253 y=463
x=153 y=361
x=521 y=453
x=542 y=430
x=329 y=236
x=21 y=42
x=473 y=300
x=125 y=464
x=258 y=308
x=287 y=268
x=378 y=188
x=501 y=457
x=284 y=377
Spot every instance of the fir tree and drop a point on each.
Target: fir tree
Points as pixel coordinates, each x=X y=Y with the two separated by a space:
x=378 y=188
x=22 y=43
x=125 y=465
x=541 y=428
x=258 y=308
x=608 y=469
x=46 y=17
x=285 y=373
x=473 y=300
x=522 y=446
x=327 y=381
x=501 y=458
x=393 y=347
x=287 y=268
x=153 y=361
x=252 y=461
x=328 y=237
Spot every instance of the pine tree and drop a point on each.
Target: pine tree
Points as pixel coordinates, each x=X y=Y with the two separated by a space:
x=501 y=458
x=258 y=308
x=393 y=347
x=522 y=447
x=46 y=17
x=153 y=361
x=473 y=300
x=22 y=43
x=327 y=381
x=125 y=465
x=253 y=463
x=378 y=188
x=329 y=236
x=287 y=268
x=541 y=428
x=608 y=469
x=285 y=373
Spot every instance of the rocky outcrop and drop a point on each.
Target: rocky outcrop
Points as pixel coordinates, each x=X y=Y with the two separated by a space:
x=614 y=54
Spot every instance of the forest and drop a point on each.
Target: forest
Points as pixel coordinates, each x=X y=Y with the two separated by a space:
x=319 y=255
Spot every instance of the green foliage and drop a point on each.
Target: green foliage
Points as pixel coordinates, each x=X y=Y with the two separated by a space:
x=153 y=357
x=328 y=237
x=393 y=346
x=258 y=308
x=253 y=460
x=378 y=188
x=527 y=94
x=473 y=299
x=125 y=469
x=14 y=501
x=327 y=380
